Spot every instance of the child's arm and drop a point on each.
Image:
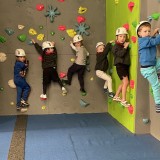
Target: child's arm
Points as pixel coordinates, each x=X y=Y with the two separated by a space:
x=72 y=46
x=155 y=32
x=37 y=47
x=108 y=47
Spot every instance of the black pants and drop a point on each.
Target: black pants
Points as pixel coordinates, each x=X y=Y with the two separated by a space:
x=50 y=74
x=75 y=68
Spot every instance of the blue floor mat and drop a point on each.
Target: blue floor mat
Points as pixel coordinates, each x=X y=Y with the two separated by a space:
x=85 y=137
x=7 y=124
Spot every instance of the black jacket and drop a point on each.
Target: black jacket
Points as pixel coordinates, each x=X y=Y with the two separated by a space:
x=121 y=55
x=101 y=58
x=49 y=60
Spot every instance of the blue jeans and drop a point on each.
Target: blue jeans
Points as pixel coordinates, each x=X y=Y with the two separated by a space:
x=23 y=90
x=150 y=74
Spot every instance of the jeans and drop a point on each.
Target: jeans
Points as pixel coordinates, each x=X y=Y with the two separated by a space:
x=150 y=73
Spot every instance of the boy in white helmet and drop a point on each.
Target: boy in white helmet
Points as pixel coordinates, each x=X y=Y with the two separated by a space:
x=122 y=62
x=23 y=88
x=79 y=66
x=101 y=66
x=49 y=64
x=147 y=57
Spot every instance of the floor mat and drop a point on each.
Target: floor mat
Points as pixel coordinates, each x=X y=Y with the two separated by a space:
x=85 y=137
x=7 y=124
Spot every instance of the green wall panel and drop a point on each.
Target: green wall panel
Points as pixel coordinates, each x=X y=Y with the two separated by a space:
x=118 y=14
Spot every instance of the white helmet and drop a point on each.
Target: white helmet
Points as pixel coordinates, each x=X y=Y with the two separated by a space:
x=99 y=44
x=20 y=53
x=140 y=23
x=77 y=38
x=121 y=30
x=47 y=44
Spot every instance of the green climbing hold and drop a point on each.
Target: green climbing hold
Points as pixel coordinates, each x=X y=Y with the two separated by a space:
x=22 y=37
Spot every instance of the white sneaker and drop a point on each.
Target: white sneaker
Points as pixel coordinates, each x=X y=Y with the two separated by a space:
x=64 y=91
x=43 y=97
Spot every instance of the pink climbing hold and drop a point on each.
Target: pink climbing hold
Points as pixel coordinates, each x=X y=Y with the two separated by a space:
x=130 y=6
x=62 y=28
x=130 y=109
x=62 y=75
x=126 y=26
x=80 y=19
x=134 y=39
x=39 y=7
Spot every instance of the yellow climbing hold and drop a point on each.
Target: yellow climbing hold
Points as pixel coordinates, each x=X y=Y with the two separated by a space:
x=82 y=10
x=72 y=59
x=40 y=37
x=43 y=107
x=71 y=32
x=32 y=31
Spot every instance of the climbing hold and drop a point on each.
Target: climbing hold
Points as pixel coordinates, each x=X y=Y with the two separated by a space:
x=39 y=7
x=72 y=59
x=52 y=33
x=155 y=16
x=134 y=24
x=134 y=39
x=62 y=28
x=132 y=84
x=80 y=19
x=82 y=10
x=20 y=27
x=130 y=6
x=43 y=107
x=71 y=32
x=61 y=0
x=52 y=13
x=130 y=109
x=2 y=39
x=62 y=38
x=91 y=78
x=3 y=57
x=1 y=88
x=126 y=26
x=146 y=120
x=62 y=75
x=40 y=37
x=40 y=58
x=81 y=29
x=116 y=1
x=40 y=27
x=11 y=83
x=83 y=103
x=9 y=31
x=22 y=37
x=32 y=31
x=11 y=103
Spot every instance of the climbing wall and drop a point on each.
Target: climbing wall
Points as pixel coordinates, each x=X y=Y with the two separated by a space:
x=128 y=19
x=23 y=20
x=147 y=113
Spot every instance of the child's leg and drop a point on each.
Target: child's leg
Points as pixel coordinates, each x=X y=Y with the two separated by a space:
x=107 y=78
x=19 y=94
x=125 y=83
x=81 y=77
x=119 y=90
x=151 y=75
x=26 y=90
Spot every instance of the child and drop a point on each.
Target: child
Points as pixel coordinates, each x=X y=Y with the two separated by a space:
x=102 y=66
x=79 y=65
x=147 y=57
x=49 y=64
x=22 y=86
x=122 y=62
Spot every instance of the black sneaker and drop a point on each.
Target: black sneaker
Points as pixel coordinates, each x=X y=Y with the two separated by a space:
x=111 y=94
x=83 y=92
x=65 y=82
x=18 y=108
x=105 y=90
x=24 y=103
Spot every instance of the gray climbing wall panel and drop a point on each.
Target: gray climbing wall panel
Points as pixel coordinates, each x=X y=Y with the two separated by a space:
x=24 y=12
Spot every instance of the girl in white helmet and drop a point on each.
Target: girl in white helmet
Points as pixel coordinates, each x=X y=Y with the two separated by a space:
x=150 y=64
x=23 y=88
x=49 y=64
x=122 y=62
x=79 y=66
x=101 y=66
